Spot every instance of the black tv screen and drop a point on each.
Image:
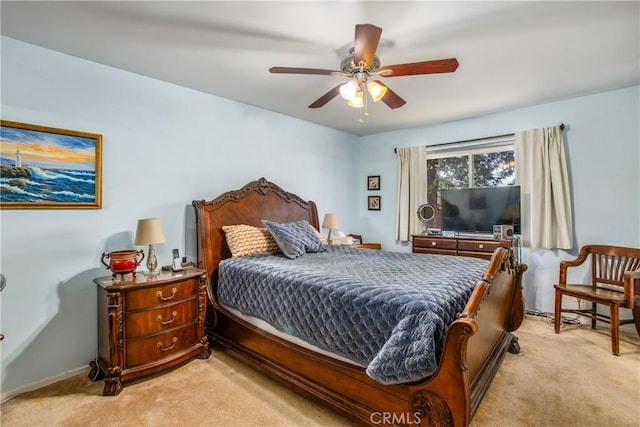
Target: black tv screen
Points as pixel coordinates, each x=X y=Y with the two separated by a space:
x=477 y=210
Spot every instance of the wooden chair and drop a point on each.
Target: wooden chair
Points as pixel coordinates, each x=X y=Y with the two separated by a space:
x=615 y=282
x=358 y=237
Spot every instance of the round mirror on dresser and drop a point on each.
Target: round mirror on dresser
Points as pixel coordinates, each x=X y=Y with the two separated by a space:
x=426 y=213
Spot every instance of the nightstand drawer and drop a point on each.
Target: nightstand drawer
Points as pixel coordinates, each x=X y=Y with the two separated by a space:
x=434 y=243
x=478 y=246
x=160 y=295
x=149 y=322
x=158 y=347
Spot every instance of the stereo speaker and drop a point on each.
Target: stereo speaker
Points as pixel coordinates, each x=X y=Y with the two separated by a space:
x=503 y=232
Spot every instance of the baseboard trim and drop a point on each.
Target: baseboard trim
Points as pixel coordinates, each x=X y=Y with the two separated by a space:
x=4 y=396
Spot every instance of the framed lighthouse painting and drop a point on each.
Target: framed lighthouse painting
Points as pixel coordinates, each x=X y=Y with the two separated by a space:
x=49 y=168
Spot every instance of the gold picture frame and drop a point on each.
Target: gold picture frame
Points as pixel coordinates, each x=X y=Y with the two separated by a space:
x=48 y=168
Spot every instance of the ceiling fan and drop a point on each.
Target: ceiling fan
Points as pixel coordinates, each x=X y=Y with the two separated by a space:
x=364 y=64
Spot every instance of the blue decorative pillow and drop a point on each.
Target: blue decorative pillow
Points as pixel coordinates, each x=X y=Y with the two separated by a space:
x=295 y=238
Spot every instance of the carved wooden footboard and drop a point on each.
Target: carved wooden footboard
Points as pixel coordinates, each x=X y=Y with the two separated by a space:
x=475 y=343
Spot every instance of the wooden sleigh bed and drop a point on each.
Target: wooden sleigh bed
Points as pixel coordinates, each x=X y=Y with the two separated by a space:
x=474 y=346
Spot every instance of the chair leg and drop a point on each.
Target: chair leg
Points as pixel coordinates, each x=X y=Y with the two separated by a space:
x=594 y=310
x=615 y=324
x=558 y=311
x=636 y=318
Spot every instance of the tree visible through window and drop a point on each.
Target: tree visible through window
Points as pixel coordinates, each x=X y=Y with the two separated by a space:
x=474 y=169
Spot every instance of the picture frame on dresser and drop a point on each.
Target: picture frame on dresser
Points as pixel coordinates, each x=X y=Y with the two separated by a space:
x=49 y=168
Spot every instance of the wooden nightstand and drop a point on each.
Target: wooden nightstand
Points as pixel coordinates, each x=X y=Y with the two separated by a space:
x=377 y=246
x=361 y=244
x=147 y=324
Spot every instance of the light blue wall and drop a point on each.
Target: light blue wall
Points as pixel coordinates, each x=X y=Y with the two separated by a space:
x=163 y=146
x=602 y=137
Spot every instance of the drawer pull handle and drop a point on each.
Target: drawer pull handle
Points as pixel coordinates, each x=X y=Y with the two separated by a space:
x=173 y=294
x=174 y=340
x=166 y=322
x=433 y=243
x=481 y=246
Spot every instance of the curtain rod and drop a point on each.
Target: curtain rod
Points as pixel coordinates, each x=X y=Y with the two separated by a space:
x=395 y=150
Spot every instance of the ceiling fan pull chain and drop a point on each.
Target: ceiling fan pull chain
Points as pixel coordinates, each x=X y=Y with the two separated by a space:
x=366 y=101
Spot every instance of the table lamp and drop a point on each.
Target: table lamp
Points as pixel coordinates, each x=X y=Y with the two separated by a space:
x=150 y=233
x=330 y=221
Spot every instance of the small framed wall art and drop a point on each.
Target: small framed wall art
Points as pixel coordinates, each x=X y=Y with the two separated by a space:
x=373 y=182
x=49 y=168
x=374 y=203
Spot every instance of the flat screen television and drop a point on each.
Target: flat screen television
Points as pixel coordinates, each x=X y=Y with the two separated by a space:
x=477 y=210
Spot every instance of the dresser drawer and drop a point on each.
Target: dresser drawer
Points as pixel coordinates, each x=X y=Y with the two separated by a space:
x=459 y=246
x=159 y=295
x=149 y=322
x=420 y=242
x=158 y=347
x=478 y=245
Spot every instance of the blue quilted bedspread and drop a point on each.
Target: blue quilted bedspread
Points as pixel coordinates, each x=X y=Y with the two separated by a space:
x=388 y=311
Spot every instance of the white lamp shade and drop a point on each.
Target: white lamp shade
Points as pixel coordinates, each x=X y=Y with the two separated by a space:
x=330 y=221
x=348 y=90
x=149 y=232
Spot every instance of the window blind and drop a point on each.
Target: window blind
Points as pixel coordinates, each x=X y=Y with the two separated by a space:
x=472 y=146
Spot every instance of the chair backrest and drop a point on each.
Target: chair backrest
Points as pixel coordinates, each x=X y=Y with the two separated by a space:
x=357 y=237
x=609 y=263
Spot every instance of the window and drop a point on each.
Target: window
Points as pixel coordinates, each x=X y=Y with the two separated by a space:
x=481 y=163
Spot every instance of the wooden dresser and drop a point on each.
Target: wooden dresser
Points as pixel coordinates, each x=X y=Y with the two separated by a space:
x=147 y=324
x=460 y=246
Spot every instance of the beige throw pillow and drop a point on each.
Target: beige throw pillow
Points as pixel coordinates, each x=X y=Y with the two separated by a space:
x=248 y=240
x=323 y=240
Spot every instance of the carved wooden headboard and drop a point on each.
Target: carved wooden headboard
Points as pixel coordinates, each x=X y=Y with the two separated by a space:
x=249 y=205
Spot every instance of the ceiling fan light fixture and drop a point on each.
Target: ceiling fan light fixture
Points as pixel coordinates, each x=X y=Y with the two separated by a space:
x=348 y=90
x=376 y=90
x=357 y=101
x=362 y=64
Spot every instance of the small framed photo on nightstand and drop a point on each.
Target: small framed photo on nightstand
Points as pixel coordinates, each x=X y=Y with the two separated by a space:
x=374 y=203
x=373 y=182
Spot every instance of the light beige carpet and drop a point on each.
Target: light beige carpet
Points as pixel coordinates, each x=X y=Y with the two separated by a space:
x=569 y=379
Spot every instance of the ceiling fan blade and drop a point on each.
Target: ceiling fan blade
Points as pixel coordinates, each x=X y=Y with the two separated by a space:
x=426 y=67
x=365 y=44
x=391 y=98
x=294 y=70
x=326 y=97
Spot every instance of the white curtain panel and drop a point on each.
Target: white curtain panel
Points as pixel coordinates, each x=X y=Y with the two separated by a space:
x=541 y=172
x=412 y=167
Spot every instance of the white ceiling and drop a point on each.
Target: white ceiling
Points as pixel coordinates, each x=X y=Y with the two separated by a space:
x=511 y=54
